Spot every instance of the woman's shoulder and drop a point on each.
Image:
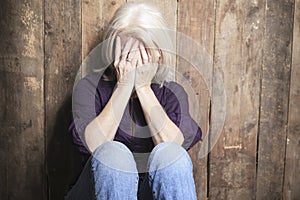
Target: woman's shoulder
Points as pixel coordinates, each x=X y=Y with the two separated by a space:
x=174 y=86
x=169 y=92
x=169 y=88
x=94 y=81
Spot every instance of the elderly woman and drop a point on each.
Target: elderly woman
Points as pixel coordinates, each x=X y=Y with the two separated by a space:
x=134 y=123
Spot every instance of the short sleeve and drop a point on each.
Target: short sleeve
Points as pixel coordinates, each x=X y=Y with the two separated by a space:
x=177 y=108
x=86 y=103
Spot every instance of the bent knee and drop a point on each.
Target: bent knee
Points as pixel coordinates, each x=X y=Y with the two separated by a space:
x=169 y=154
x=114 y=155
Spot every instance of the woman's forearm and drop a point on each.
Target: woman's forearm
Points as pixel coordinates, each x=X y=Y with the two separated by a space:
x=103 y=128
x=162 y=128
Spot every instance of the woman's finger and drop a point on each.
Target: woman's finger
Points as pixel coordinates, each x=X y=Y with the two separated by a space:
x=134 y=50
x=149 y=55
x=134 y=54
x=126 y=49
x=134 y=61
x=143 y=53
x=139 y=60
x=157 y=56
x=135 y=46
x=117 y=50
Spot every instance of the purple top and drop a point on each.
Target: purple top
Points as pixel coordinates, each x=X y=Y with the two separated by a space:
x=91 y=95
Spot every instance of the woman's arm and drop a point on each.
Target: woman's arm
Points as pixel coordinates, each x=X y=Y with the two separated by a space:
x=103 y=128
x=162 y=128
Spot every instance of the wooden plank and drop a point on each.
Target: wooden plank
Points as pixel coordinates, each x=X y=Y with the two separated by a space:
x=62 y=60
x=196 y=20
x=292 y=165
x=96 y=15
x=275 y=83
x=22 y=107
x=237 y=60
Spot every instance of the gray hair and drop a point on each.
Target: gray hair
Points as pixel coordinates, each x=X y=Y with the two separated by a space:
x=145 y=23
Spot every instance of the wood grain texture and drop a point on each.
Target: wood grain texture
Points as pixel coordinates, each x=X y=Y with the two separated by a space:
x=22 y=106
x=196 y=20
x=275 y=83
x=254 y=46
x=292 y=165
x=96 y=15
x=237 y=61
x=62 y=60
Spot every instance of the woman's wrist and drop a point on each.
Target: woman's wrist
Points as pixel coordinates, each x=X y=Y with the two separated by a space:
x=124 y=87
x=142 y=89
x=123 y=91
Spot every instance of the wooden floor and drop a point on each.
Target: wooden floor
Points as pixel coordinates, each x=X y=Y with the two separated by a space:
x=248 y=92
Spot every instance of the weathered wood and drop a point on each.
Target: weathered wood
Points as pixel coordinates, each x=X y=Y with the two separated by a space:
x=275 y=83
x=196 y=20
x=96 y=15
x=62 y=60
x=292 y=166
x=22 y=106
x=237 y=60
x=251 y=43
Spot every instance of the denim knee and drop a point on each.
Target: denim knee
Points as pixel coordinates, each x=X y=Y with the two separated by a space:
x=169 y=154
x=114 y=155
x=171 y=173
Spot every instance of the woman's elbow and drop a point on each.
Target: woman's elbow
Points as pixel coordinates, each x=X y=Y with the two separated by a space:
x=179 y=138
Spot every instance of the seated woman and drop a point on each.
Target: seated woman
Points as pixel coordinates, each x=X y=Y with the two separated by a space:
x=135 y=124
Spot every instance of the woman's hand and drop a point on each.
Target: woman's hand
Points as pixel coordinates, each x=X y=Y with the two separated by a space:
x=104 y=127
x=160 y=125
x=126 y=61
x=146 y=68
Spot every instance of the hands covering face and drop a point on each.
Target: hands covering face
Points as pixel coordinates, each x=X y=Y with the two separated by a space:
x=134 y=65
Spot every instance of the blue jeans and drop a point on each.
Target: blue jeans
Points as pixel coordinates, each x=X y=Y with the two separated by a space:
x=111 y=174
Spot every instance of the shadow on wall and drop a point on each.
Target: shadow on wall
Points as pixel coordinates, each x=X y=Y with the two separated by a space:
x=64 y=162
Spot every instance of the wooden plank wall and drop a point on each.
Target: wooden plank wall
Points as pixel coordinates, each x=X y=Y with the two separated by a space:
x=275 y=82
x=189 y=23
x=292 y=158
x=62 y=59
x=254 y=46
x=238 y=55
x=22 y=149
